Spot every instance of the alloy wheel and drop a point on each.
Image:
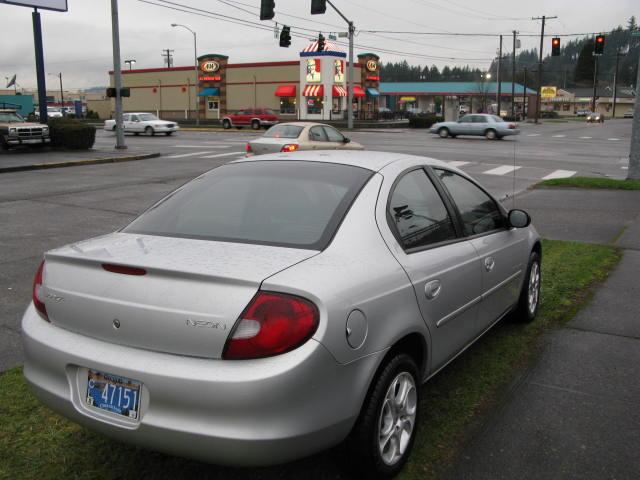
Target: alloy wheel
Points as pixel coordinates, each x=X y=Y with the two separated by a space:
x=534 y=287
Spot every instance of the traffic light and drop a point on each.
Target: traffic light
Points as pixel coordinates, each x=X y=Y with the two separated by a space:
x=598 y=48
x=318 y=6
x=320 y=42
x=555 y=47
x=285 y=36
x=266 y=9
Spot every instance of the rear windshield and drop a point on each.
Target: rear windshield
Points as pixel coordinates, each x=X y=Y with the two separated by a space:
x=497 y=118
x=283 y=131
x=283 y=203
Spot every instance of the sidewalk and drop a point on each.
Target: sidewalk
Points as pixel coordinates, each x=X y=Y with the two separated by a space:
x=576 y=413
x=22 y=159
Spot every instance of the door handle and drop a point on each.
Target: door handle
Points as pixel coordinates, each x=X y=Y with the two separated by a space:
x=489 y=263
x=432 y=289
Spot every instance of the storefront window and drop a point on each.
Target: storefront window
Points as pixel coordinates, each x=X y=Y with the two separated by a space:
x=212 y=104
x=337 y=105
x=314 y=105
x=288 y=105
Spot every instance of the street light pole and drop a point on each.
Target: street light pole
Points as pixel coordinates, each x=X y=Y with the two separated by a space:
x=130 y=63
x=195 y=58
x=352 y=29
x=59 y=75
x=634 y=155
x=117 y=74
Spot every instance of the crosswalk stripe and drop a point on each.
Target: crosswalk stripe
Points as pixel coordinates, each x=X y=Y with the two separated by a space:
x=457 y=164
x=560 y=174
x=222 y=155
x=586 y=138
x=501 y=170
x=200 y=146
x=533 y=135
x=192 y=154
x=613 y=139
x=559 y=136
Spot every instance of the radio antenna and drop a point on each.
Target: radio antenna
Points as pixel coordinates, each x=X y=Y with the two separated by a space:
x=513 y=191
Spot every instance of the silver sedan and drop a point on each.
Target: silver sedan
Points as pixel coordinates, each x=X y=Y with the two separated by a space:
x=480 y=124
x=276 y=306
x=295 y=136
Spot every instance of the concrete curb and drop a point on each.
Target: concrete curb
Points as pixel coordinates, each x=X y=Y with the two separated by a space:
x=77 y=163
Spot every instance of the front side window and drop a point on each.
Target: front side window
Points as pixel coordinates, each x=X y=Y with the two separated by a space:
x=134 y=118
x=479 y=212
x=418 y=213
x=333 y=135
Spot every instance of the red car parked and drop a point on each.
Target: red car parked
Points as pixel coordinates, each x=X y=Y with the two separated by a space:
x=254 y=117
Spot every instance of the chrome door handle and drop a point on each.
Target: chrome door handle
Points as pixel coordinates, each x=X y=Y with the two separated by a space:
x=489 y=263
x=432 y=289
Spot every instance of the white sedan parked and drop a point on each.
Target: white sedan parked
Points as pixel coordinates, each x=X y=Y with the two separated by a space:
x=146 y=123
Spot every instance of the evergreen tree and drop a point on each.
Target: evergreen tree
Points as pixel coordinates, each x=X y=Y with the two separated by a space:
x=585 y=65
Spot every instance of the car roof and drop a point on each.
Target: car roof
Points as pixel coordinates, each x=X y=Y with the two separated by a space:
x=368 y=159
x=303 y=124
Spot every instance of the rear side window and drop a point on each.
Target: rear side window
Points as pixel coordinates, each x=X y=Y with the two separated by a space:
x=282 y=203
x=479 y=212
x=317 y=134
x=418 y=213
x=333 y=135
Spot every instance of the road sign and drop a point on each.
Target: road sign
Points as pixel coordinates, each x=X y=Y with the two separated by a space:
x=58 y=5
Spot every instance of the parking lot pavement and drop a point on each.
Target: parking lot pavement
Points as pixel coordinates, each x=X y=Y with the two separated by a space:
x=576 y=412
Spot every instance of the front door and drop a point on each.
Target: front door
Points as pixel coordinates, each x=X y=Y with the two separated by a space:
x=443 y=267
x=464 y=125
x=213 y=107
x=499 y=248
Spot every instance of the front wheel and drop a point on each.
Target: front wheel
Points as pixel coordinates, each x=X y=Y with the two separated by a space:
x=226 y=124
x=491 y=134
x=443 y=132
x=381 y=440
x=527 y=307
x=168 y=133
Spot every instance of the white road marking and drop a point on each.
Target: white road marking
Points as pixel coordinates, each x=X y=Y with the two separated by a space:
x=625 y=168
x=200 y=146
x=613 y=139
x=222 y=155
x=192 y=154
x=533 y=135
x=560 y=174
x=559 y=136
x=586 y=138
x=457 y=164
x=501 y=170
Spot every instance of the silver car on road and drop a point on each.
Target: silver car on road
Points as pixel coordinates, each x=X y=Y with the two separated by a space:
x=480 y=124
x=277 y=306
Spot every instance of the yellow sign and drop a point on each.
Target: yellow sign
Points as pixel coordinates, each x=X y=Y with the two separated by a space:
x=407 y=99
x=210 y=66
x=372 y=65
x=548 y=92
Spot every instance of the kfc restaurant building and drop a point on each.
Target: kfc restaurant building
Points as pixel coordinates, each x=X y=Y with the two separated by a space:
x=311 y=88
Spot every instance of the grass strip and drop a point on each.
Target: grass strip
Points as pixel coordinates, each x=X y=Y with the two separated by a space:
x=35 y=443
x=591 y=182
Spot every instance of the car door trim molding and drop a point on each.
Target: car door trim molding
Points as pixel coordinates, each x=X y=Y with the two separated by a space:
x=503 y=283
x=459 y=311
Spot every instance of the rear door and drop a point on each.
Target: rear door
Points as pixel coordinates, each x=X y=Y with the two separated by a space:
x=442 y=266
x=501 y=250
x=479 y=124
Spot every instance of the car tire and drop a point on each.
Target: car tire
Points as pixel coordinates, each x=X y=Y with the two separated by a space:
x=149 y=131
x=114 y=128
x=529 y=301
x=136 y=133
x=454 y=136
x=371 y=455
x=168 y=133
x=491 y=134
x=226 y=124
x=443 y=132
x=255 y=125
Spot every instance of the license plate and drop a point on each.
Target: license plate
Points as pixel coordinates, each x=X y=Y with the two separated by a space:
x=113 y=393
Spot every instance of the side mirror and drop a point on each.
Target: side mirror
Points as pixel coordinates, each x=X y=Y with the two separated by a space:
x=346 y=140
x=519 y=219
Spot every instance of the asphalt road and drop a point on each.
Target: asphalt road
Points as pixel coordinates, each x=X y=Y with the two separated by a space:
x=43 y=209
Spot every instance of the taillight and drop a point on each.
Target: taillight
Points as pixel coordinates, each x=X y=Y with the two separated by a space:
x=123 y=269
x=248 y=148
x=512 y=126
x=272 y=323
x=290 y=147
x=38 y=292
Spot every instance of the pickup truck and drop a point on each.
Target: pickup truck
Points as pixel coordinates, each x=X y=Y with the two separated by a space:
x=15 y=131
x=255 y=118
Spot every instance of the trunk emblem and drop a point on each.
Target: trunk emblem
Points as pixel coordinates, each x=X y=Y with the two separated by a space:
x=205 y=323
x=116 y=323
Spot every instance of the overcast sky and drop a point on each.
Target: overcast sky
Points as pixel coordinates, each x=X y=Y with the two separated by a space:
x=78 y=42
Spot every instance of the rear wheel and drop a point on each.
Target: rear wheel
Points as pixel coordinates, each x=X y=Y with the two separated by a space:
x=168 y=133
x=255 y=125
x=226 y=124
x=383 y=435
x=527 y=307
x=150 y=131
x=443 y=132
x=491 y=134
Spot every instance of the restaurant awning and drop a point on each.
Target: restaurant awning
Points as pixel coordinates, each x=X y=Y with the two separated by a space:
x=209 y=92
x=358 y=91
x=313 y=91
x=339 y=91
x=373 y=92
x=286 y=91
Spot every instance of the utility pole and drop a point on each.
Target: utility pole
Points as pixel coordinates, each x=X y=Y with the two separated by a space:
x=524 y=95
x=513 y=78
x=117 y=74
x=538 y=98
x=167 y=53
x=498 y=79
x=634 y=155
x=40 y=76
x=595 y=82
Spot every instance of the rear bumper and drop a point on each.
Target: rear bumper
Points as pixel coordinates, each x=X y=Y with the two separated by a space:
x=245 y=413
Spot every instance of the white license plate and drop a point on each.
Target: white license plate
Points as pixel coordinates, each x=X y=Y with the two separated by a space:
x=113 y=393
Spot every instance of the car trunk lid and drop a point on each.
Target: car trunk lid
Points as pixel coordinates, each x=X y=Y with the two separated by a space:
x=167 y=294
x=263 y=146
